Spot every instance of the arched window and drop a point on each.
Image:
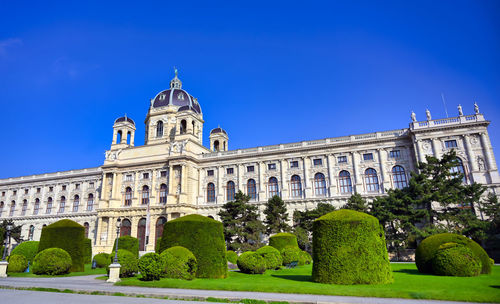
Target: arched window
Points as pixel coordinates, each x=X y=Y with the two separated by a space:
x=194 y=127
x=459 y=168
x=210 y=193
x=216 y=146
x=296 y=186
x=12 y=208
x=371 y=180
x=119 y=137
x=252 y=189
x=345 y=182
x=273 y=186
x=49 y=206
x=128 y=196
x=86 y=226
x=62 y=204
x=160 y=222
x=126 y=228
x=141 y=234
x=129 y=136
x=1 y=208
x=145 y=195
x=90 y=202
x=230 y=190
x=31 y=232
x=399 y=177
x=159 y=129
x=37 y=206
x=163 y=194
x=76 y=203
x=319 y=184
x=24 y=208
x=183 y=126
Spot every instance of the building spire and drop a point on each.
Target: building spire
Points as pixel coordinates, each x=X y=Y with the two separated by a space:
x=175 y=83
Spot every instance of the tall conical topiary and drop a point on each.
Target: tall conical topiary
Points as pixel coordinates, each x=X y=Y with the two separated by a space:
x=67 y=235
x=204 y=237
x=349 y=248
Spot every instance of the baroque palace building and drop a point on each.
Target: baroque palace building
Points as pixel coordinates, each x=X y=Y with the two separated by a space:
x=173 y=174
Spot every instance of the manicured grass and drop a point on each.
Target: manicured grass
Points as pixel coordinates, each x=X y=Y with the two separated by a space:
x=88 y=271
x=408 y=283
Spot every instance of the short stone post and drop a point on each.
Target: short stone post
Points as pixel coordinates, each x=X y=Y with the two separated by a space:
x=3 y=269
x=114 y=273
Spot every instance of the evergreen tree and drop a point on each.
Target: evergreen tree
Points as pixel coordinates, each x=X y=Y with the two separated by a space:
x=302 y=223
x=242 y=227
x=276 y=216
x=356 y=202
x=15 y=233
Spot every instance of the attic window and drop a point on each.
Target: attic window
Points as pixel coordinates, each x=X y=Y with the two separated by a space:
x=162 y=97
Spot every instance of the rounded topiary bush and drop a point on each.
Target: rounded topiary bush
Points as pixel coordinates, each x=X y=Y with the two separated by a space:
x=452 y=259
x=282 y=240
x=231 y=256
x=127 y=261
x=272 y=257
x=52 y=261
x=101 y=260
x=129 y=243
x=67 y=235
x=17 y=263
x=87 y=246
x=428 y=247
x=304 y=258
x=290 y=254
x=179 y=263
x=27 y=249
x=349 y=248
x=204 y=237
x=151 y=266
x=251 y=262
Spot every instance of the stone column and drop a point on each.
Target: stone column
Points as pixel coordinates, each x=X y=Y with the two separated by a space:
x=490 y=162
x=240 y=171
x=200 y=185
x=154 y=191
x=436 y=143
x=382 y=160
x=330 y=160
x=284 y=188
x=470 y=153
x=358 y=183
x=262 y=189
x=420 y=157
x=171 y=188
x=220 y=192
x=307 y=183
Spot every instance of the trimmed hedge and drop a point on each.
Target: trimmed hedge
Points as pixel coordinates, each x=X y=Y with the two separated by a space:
x=102 y=260
x=452 y=259
x=87 y=245
x=127 y=261
x=305 y=258
x=349 y=248
x=231 y=256
x=27 y=249
x=272 y=257
x=67 y=235
x=252 y=263
x=52 y=261
x=204 y=237
x=179 y=263
x=17 y=263
x=282 y=240
x=428 y=247
x=151 y=266
x=290 y=254
x=129 y=243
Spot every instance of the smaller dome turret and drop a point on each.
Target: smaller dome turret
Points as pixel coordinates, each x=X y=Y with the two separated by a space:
x=218 y=140
x=123 y=133
x=218 y=130
x=125 y=119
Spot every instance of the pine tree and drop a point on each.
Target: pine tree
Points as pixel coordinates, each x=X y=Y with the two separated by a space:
x=356 y=202
x=276 y=216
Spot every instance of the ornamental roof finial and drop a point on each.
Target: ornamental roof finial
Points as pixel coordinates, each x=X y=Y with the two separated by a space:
x=176 y=82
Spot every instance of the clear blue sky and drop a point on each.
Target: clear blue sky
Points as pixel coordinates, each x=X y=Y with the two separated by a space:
x=267 y=72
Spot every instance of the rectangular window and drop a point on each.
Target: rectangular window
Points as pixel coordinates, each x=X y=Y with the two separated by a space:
x=271 y=166
x=294 y=164
x=14 y=192
x=26 y=191
x=163 y=174
x=230 y=170
x=318 y=162
x=77 y=186
x=250 y=168
x=51 y=189
x=395 y=154
x=342 y=159
x=210 y=172
x=128 y=177
x=368 y=156
x=450 y=144
x=91 y=185
x=38 y=190
x=145 y=175
x=3 y=193
x=63 y=188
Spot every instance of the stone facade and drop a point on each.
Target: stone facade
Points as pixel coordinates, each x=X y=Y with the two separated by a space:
x=173 y=174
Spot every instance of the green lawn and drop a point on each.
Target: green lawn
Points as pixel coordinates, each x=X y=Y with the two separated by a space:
x=88 y=271
x=408 y=283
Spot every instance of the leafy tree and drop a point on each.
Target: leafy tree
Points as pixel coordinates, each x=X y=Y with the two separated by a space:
x=276 y=216
x=242 y=227
x=356 y=202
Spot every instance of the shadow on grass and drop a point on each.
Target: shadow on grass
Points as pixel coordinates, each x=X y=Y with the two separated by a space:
x=495 y=286
x=300 y=278
x=409 y=271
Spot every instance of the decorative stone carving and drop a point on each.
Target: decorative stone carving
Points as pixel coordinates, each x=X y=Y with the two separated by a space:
x=413 y=116
x=476 y=108
x=474 y=140
x=460 y=112
x=480 y=163
x=428 y=114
